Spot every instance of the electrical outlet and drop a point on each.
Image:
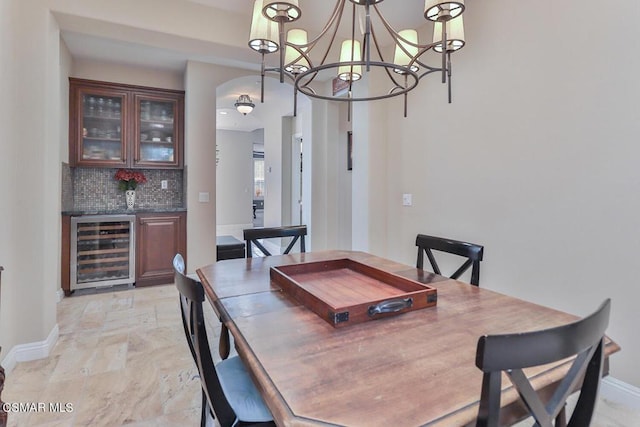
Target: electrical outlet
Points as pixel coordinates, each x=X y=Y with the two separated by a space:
x=164 y=184
x=407 y=199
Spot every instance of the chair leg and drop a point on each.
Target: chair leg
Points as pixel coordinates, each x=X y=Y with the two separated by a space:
x=224 y=347
x=205 y=408
x=561 y=419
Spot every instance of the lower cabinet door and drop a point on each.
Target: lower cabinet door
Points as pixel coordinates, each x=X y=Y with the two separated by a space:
x=158 y=238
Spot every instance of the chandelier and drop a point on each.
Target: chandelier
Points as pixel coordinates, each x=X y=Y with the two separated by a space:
x=362 y=52
x=244 y=104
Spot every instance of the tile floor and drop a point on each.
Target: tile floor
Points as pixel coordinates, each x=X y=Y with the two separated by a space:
x=122 y=359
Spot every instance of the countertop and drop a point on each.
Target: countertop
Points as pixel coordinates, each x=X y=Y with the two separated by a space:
x=123 y=211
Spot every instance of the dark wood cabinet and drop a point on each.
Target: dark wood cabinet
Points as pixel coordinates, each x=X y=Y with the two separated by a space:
x=3 y=414
x=118 y=125
x=158 y=238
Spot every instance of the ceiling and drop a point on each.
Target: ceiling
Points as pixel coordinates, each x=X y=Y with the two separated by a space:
x=140 y=48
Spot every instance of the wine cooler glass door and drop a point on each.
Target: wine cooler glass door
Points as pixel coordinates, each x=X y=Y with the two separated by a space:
x=102 y=251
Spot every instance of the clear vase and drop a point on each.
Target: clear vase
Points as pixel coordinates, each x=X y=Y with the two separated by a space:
x=131 y=198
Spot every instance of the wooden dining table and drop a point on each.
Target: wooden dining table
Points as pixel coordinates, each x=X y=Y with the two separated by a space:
x=411 y=369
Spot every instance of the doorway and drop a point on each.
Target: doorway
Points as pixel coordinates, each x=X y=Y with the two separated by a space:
x=258 y=185
x=296 y=180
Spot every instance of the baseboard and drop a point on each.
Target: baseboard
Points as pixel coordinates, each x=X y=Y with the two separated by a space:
x=30 y=351
x=620 y=392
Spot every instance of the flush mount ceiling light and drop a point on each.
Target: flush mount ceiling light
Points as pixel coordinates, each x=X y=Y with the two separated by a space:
x=361 y=53
x=244 y=104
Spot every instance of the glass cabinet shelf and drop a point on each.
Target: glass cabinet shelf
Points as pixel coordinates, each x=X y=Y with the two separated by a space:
x=156 y=130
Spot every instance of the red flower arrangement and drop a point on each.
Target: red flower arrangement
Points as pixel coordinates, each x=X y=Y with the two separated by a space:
x=128 y=179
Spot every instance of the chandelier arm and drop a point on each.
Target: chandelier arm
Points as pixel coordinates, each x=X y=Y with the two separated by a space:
x=389 y=74
x=334 y=20
x=300 y=53
x=396 y=36
x=337 y=17
x=280 y=71
x=422 y=64
x=337 y=14
x=393 y=89
x=308 y=89
x=306 y=86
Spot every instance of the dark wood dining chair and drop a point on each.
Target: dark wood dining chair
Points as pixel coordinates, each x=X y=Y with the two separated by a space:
x=228 y=392
x=224 y=344
x=253 y=236
x=511 y=353
x=471 y=251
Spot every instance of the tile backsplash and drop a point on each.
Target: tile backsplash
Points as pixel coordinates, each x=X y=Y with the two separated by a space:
x=96 y=189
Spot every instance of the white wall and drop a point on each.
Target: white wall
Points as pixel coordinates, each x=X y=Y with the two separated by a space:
x=30 y=211
x=344 y=182
x=303 y=128
x=66 y=65
x=287 y=173
x=200 y=157
x=536 y=158
x=273 y=167
x=370 y=177
x=7 y=173
x=234 y=182
x=33 y=67
x=317 y=161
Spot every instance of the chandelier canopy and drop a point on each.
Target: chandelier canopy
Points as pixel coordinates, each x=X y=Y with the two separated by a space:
x=361 y=53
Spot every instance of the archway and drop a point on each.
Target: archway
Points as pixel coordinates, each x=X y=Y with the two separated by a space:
x=260 y=141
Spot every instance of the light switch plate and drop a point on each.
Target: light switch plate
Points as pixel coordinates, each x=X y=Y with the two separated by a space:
x=203 y=197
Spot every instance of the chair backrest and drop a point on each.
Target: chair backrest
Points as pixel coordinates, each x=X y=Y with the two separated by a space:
x=473 y=253
x=191 y=299
x=252 y=235
x=512 y=352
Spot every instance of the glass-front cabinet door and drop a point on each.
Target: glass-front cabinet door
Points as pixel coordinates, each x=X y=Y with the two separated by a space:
x=157 y=130
x=115 y=125
x=101 y=128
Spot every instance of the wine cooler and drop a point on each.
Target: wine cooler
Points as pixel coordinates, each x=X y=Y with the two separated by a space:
x=102 y=250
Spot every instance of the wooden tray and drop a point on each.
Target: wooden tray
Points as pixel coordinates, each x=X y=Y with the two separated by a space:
x=344 y=291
